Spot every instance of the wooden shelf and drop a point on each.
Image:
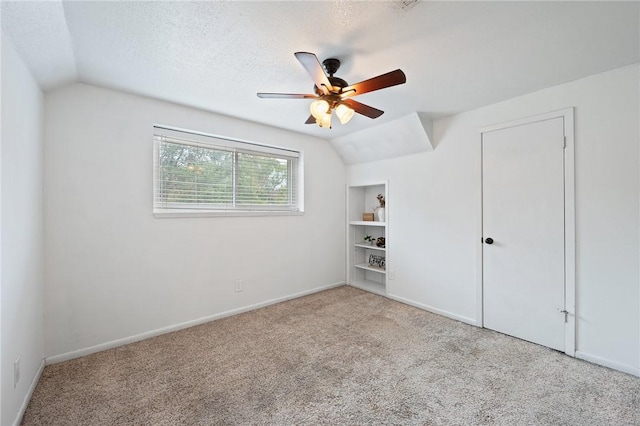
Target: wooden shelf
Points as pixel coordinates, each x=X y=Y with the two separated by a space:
x=368 y=267
x=369 y=247
x=367 y=223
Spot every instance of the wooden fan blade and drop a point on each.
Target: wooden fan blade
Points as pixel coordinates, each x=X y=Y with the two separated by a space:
x=286 y=96
x=363 y=109
x=311 y=63
x=383 y=81
x=310 y=120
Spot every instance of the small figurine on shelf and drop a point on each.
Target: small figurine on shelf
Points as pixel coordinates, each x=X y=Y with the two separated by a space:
x=380 y=242
x=369 y=239
x=380 y=209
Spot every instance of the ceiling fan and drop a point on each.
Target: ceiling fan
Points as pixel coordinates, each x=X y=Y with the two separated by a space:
x=333 y=93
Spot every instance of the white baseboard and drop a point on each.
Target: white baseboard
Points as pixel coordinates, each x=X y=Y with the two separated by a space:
x=431 y=309
x=146 y=335
x=27 y=397
x=580 y=355
x=608 y=363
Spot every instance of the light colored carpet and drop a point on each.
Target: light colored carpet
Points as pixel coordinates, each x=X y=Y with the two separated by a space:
x=342 y=356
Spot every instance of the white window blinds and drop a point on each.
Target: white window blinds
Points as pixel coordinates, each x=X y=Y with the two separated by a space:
x=194 y=172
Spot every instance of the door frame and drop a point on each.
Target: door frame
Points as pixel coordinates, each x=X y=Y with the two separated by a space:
x=569 y=222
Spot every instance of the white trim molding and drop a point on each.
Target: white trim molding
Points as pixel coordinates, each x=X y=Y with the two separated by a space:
x=433 y=310
x=27 y=397
x=153 y=333
x=608 y=363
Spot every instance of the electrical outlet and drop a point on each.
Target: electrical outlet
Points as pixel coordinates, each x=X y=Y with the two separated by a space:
x=392 y=274
x=16 y=372
x=239 y=285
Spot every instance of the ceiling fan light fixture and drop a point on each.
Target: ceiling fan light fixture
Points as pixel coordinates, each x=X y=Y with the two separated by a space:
x=344 y=113
x=319 y=108
x=325 y=120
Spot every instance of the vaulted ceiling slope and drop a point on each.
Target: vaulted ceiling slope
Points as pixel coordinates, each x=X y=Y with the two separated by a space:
x=216 y=55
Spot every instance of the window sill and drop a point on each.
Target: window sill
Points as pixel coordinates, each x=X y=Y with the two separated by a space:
x=165 y=214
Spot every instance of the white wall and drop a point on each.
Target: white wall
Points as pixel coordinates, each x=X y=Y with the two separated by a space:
x=21 y=263
x=434 y=206
x=114 y=271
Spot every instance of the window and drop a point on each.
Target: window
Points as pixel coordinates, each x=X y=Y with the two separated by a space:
x=200 y=175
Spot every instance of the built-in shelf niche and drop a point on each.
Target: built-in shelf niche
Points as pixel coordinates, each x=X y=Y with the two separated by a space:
x=362 y=199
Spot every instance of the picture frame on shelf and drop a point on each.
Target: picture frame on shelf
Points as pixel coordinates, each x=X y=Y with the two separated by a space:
x=377 y=261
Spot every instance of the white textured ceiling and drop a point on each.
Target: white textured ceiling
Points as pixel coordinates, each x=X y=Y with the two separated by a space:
x=40 y=35
x=216 y=55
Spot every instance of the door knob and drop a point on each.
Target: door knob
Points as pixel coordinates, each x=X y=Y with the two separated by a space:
x=488 y=240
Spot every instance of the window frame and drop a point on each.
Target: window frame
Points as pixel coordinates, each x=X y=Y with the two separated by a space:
x=236 y=146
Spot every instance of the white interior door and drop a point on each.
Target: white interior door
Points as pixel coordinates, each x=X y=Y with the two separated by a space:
x=523 y=261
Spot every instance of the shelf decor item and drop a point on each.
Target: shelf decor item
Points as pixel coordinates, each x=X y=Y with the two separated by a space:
x=380 y=210
x=367 y=217
x=377 y=261
x=369 y=239
x=380 y=242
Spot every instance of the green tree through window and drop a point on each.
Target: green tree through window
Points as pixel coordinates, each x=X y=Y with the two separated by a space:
x=262 y=180
x=192 y=174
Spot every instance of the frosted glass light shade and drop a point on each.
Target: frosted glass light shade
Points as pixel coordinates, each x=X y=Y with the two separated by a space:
x=344 y=113
x=319 y=108
x=325 y=120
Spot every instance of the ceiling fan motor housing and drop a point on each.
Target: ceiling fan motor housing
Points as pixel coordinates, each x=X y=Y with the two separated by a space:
x=331 y=65
x=337 y=84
